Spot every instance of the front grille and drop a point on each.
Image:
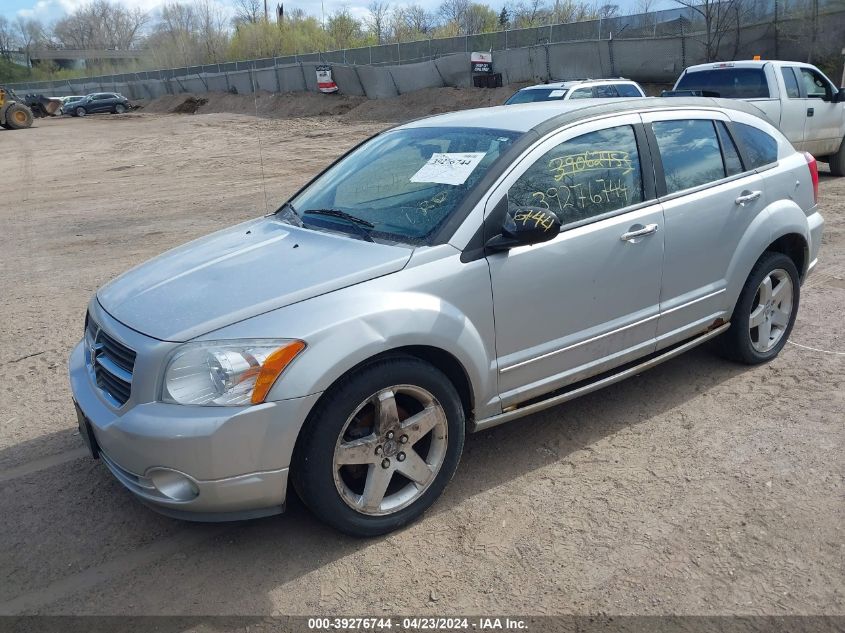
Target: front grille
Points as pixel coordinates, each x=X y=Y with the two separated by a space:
x=111 y=362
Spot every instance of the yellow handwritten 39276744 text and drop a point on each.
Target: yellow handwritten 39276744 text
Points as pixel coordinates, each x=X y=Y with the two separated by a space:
x=562 y=166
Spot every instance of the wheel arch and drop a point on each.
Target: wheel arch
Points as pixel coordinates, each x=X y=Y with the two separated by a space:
x=782 y=227
x=443 y=360
x=794 y=246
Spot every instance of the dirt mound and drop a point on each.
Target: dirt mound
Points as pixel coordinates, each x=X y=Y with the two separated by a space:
x=428 y=101
x=303 y=104
x=190 y=105
x=291 y=105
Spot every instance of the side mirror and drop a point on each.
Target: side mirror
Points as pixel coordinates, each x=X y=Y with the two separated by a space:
x=525 y=225
x=839 y=96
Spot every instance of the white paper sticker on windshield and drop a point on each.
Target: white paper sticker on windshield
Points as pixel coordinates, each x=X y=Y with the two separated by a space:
x=448 y=169
x=555 y=94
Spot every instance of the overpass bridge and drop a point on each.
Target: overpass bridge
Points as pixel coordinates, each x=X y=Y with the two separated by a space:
x=68 y=54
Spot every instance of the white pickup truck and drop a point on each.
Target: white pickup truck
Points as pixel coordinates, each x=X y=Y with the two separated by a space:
x=806 y=105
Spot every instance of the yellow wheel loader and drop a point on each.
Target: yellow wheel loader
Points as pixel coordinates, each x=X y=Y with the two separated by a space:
x=14 y=115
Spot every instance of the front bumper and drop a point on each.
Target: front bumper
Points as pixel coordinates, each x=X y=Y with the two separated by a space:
x=193 y=462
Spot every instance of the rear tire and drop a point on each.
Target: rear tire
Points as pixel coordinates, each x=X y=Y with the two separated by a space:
x=765 y=312
x=836 y=162
x=380 y=446
x=18 y=117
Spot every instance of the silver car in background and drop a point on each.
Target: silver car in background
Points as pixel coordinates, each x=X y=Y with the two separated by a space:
x=445 y=276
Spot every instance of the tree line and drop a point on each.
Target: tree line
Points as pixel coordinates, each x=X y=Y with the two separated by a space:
x=194 y=32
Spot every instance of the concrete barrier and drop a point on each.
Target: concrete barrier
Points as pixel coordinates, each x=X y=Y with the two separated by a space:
x=290 y=78
x=266 y=79
x=377 y=82
x=413 y=77
x=455 y=70
x=241 y=80
x=645 y=60
x=577 y=60
x=346 y=78
x=515 y=65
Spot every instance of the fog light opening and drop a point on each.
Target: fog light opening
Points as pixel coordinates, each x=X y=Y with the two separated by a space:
x=173 y=485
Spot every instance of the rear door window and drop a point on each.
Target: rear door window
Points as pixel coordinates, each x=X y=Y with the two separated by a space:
x=760 y=148
x=582 y=93
x=791 y=82
x=690 y=153
x=627 y=90
x=605 y=91
x=730 y=83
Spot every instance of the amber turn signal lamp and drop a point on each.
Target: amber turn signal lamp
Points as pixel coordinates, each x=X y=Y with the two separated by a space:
x=273 y=367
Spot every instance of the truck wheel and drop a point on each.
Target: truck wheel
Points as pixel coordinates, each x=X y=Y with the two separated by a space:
x=836 y=162
x=18 y=117
x=380 y=446
x=765 y=312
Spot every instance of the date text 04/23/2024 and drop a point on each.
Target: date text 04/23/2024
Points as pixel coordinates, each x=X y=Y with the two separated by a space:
x=417 y=624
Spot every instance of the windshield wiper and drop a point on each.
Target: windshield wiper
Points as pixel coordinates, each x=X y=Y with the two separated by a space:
x=337 y=213
x=359 y=224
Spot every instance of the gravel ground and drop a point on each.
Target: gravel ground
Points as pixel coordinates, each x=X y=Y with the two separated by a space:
x=699 y=487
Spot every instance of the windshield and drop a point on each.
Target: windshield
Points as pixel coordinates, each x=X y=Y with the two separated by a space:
x=536 y=94
x=403 y=184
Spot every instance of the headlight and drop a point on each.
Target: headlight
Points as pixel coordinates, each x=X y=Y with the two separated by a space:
x=227 y=373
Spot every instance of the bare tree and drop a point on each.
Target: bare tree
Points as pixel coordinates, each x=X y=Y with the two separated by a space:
x=605 y=11
x=529 y=13
x=379 y=12
x=249 y=11
x=343 y=28
x=211 y=26
x=720 y=17
x=7 y=38
x=101 y=25
x=454 y=12
x=30 y=32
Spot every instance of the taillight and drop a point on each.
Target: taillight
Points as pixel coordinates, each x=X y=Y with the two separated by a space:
x=814 y=173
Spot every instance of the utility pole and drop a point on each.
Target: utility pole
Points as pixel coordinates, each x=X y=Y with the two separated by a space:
x=266 y=13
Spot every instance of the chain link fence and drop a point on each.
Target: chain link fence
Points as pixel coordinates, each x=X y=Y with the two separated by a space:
x=669 y=22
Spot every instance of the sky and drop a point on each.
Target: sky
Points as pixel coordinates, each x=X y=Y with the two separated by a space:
x=50 y=10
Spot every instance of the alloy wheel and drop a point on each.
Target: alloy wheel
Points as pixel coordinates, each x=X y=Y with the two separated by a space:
x=771 y=310
x=390 y=450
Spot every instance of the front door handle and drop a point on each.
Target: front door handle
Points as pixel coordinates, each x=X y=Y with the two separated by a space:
x=748 y=196
x=811 y=111
x=648 y=229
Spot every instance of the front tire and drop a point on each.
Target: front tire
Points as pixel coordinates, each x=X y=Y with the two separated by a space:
x=380 y=446
x=18 y=117
x=81 y=112
x=119 y=108
x=765 y=312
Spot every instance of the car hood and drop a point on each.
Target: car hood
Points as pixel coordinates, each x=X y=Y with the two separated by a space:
x=239 y=273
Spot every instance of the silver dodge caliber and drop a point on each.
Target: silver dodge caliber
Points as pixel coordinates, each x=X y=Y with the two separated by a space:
x=445 y=276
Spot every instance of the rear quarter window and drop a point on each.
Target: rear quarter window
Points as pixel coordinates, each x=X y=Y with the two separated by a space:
x=760 y=148
x=730 y=83
x=627 y=90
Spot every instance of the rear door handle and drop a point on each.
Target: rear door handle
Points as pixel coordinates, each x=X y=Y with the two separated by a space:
x=748 y=196
x=811 y=111
x=648 y=229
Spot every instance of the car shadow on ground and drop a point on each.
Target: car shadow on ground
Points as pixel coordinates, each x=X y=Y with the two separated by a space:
x=75 y=519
